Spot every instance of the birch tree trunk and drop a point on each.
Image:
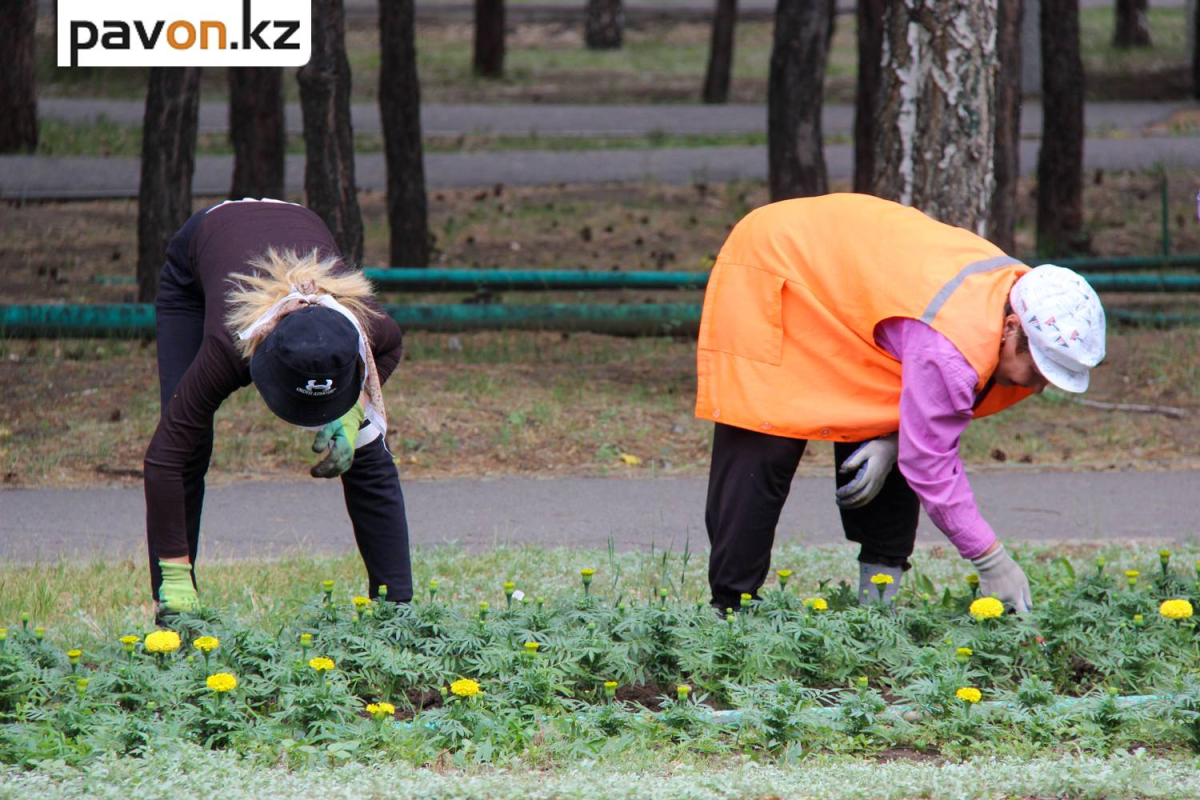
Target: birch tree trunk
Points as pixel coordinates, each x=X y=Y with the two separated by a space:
x=936 y=136
x=400 y=109
x=328 y=134
x=1002 y=227
x=489 y=38
x=866 y=97
x=168 y=161
x=1060 y=159
x=1132 y=26
x=604 y=24
x=720 y=53
x=18 y=76
x=257 y=131
x=795 y=158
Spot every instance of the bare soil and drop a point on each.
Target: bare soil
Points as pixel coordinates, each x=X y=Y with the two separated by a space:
x=80 y=412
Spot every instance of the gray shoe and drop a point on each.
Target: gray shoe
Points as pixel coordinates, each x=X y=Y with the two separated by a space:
x=868 y=592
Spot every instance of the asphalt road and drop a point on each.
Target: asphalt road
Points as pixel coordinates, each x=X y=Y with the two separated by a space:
x=455 y=119
x=269 y=519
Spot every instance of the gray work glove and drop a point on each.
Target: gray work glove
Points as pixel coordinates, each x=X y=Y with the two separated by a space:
x=873 y=460
x=1000 y=577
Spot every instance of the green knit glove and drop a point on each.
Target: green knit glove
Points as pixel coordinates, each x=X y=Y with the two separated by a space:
x=177 y=592
x=339 y=438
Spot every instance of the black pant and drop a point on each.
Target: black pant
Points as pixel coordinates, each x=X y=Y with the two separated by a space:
x=371 y=486
x=748 y=483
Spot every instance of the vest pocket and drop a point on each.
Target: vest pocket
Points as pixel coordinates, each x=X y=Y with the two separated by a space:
x=744 y=313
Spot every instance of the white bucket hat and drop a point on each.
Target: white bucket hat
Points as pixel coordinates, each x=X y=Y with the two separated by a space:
x=1062 y=317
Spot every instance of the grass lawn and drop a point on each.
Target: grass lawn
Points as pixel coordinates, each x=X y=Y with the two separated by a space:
x=89 y=604
x=659 y=63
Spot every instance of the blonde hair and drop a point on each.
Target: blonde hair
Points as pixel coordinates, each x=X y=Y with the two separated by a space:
x=278 y=273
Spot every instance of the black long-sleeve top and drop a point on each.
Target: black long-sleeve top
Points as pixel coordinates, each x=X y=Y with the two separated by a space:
x=220 y=246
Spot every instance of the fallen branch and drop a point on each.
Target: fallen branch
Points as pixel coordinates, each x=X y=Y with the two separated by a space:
x=1166 y=411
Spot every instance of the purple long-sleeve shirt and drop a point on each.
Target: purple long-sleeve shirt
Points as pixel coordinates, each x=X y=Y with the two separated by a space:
x=936 y=400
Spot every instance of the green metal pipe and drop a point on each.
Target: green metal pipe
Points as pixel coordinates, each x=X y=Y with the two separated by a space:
x=1131 y=263
x=415 y=279
x=411 y=279
x=136 y=320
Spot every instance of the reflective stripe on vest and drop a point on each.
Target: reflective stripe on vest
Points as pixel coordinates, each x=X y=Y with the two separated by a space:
x=939 y=299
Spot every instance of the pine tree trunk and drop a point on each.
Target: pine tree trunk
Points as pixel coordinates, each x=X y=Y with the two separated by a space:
x=604 y=24
x=257 y=131
x=720 y=53
x=936 y=134
x=1132 y=27
x=168 y=161
x=1193 y=11
x=796 y=160
x=489 y=38
x=18 y=76
x=866 y=99
x=328 y=134
x=400 y=108
x=1002 y=226
x=1060 y=160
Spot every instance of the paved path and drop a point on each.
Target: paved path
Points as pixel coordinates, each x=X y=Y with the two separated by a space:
x=43 y=177
x=593 y=120
x=266 y=519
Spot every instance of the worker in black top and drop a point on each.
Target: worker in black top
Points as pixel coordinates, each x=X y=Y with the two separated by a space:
x=256 y=291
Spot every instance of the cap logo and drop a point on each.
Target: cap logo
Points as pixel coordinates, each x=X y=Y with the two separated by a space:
x=317 y=388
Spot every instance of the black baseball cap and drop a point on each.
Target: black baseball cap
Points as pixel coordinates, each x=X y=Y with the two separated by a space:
x=307 y=369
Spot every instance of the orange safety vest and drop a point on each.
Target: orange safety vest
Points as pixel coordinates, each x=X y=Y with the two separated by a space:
x=787 y=337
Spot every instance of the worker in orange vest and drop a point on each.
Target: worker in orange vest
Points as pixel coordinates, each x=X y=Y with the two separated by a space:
x=856 y=320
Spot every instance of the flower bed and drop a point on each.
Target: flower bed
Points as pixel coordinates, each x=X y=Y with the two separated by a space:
x=515 y=675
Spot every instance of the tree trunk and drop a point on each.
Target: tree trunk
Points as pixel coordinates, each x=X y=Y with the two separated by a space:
x=1002 y=227
x=489 y=38
x=936 y=136
x=1132 y=27
x=720 y=53
x=18 y=76
x=168 y=160
x=796 y=161
x=1193 y=10
x=257 y=131
x=400 y=108
x=328 y=135
x=1060 y=160
x=604 y=26
x=866 y=98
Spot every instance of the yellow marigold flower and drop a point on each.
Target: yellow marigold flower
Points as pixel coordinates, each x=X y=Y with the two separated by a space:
x=361 y=602
x=81 y=685
x=611 y=684
x=532 y=647
x=630 y=459
x=510 y=586
x=881 y=579
x=222 y=682
x=130 y=639
x=162 y=642
x=321 y=664
x=965 y=652
x=380 y=710
x=206 y=644
x=1131 y=573
x=817 y=603
x=305 y=639
x=987 y=608
x=973 y=579
x=610 y=689
x=587 y=572
x=75 y=653
x=465 y=687
x=1175 y=609
x=969 y=694
x=784 y=573
x=682 y=691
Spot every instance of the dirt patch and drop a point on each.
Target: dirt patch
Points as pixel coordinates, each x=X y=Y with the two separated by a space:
x=908 y=755
x=80 y=412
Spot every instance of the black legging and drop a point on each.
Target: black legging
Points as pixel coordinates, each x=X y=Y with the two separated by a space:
x=748 y=483
x=371 y=485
